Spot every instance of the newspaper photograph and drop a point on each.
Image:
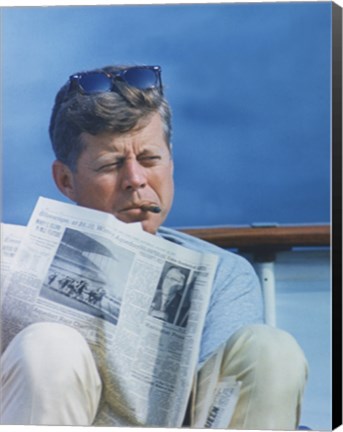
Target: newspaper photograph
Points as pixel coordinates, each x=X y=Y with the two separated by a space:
x=139 y=300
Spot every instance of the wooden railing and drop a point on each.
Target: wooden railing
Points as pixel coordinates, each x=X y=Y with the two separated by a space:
x=263 y=243
x=264 y=237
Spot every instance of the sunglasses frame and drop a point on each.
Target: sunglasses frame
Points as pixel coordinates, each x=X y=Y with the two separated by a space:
x=113 y=77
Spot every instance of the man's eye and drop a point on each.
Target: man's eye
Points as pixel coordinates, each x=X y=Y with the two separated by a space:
x=147 y=160
x=111 y=165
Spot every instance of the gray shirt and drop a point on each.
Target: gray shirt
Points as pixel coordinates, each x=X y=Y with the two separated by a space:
x=236 y=298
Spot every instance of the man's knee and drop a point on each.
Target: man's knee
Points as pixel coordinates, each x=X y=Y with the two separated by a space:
x=272 y=370
x=48 y=352
x=49 y=377
x=271 y=351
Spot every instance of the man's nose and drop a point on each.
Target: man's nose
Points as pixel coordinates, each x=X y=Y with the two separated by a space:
x=134 y=175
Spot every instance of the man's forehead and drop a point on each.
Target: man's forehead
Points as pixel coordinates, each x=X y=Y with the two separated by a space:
x=147 y=134
x=175 y=273
x=112 y=144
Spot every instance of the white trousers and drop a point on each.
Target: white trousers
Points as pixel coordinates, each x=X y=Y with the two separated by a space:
x=49 y=377
x=273 y=371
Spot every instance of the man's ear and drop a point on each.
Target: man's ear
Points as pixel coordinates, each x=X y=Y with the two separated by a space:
x=64 y=179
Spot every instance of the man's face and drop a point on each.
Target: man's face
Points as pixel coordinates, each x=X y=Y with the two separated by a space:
x=172 y=281
x=119 y=173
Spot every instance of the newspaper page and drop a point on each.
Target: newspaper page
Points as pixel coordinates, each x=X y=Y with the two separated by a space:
x=105 y=278
x=214 y=397
x=11 y=236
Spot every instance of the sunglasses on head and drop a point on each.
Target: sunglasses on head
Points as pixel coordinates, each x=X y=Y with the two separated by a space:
x=140 y=77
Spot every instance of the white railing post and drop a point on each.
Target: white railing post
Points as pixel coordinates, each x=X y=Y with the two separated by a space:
x=265 y=272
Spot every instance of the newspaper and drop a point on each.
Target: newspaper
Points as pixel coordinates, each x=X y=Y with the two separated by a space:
x=215 y=397
x=10 y=237
x=84 y=268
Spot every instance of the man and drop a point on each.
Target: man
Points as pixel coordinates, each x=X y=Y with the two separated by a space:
x=171 y=302
x=111 y=133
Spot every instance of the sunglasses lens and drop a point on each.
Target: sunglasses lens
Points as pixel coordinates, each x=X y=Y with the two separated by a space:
x=95 y=82
x=142 y=78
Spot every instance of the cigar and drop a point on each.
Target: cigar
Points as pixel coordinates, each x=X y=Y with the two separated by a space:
x=151 y=208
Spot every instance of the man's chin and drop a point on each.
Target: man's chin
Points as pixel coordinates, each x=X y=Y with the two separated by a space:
x=149 y=227
x=147 y=224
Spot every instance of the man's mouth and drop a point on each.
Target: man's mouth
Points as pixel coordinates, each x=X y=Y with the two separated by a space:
x=151 y=208
x=144 y=207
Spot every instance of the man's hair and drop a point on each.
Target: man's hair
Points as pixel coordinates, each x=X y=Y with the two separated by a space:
x=112 y=112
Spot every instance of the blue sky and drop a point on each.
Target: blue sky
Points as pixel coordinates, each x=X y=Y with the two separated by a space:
x=249 y=85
